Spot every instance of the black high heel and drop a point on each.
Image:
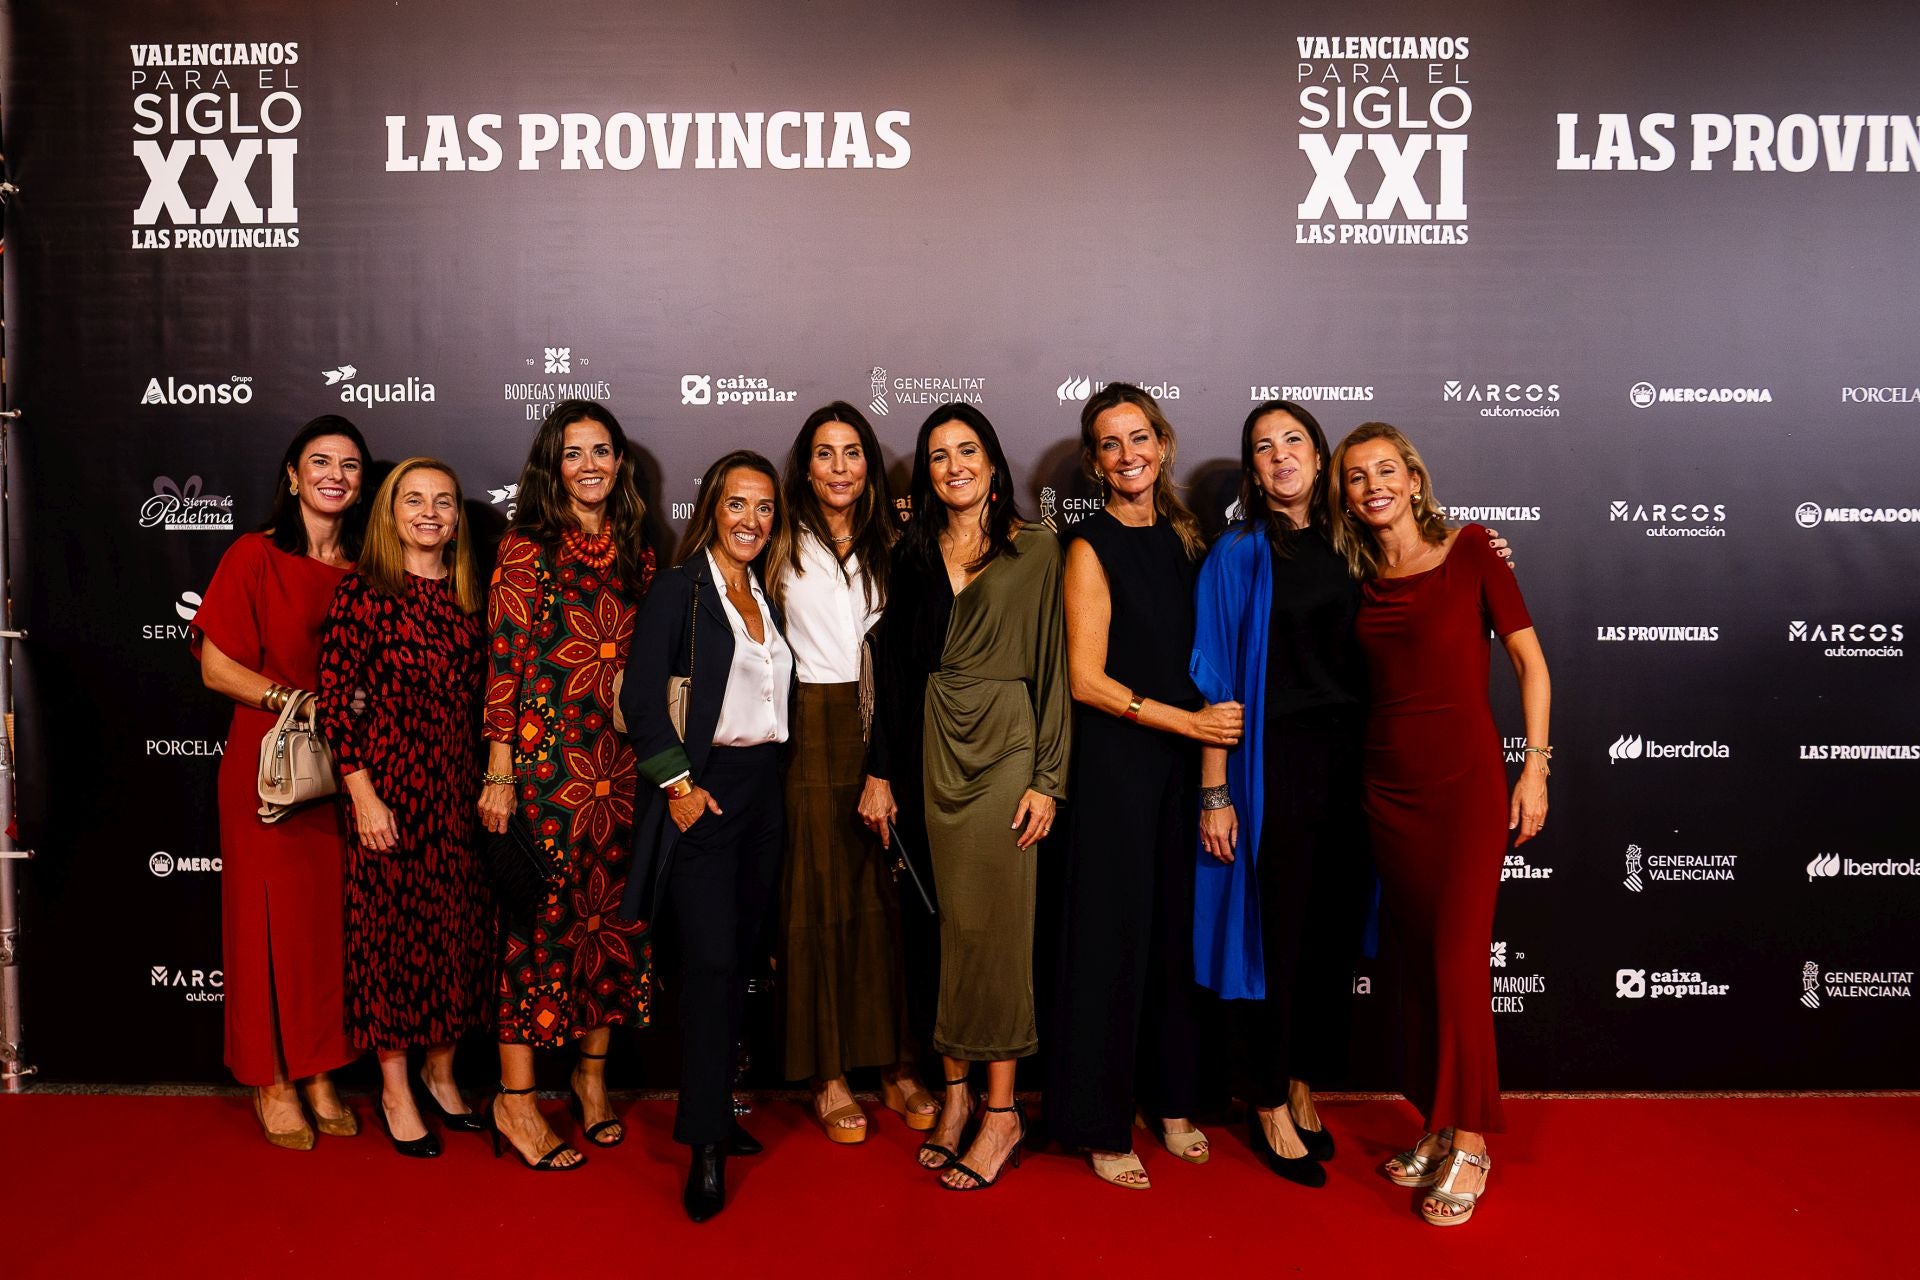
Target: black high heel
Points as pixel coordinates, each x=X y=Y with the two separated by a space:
x=950 y=1154
x=1318 y=1142
x=594 y=1131
x=1013 y=1153
x=425 y=1147
x=1304 y=1170
x=460 y=1121
x=545 y=1164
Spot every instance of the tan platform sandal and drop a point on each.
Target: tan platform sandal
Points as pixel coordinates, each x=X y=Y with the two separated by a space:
x=1182 y=1142
x=1460 y=1202
x=1112 y=1168
x=834 y=1121
x=897 y=1099
x=1417 y=1170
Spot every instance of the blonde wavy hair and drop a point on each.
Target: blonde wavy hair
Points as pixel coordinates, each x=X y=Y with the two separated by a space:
x=383 y=560
x=1353 y=537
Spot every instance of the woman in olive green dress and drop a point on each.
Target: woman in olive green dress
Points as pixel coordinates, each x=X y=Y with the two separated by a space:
x=975 y=616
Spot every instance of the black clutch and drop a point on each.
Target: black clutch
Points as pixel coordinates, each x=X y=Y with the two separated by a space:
x=520 y=869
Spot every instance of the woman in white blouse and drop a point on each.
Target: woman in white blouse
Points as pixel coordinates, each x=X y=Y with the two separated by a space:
x=841 y=963
x=708 y=831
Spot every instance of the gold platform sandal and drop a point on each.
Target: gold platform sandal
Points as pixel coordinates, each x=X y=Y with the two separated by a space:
x=1461 y=1203
x=1417 y=1170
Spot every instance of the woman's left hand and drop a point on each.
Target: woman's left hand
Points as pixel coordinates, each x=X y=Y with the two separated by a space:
x=1528 y=812
x=1036 y=811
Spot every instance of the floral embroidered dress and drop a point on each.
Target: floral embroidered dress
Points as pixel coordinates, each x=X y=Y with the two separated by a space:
x=561 y=622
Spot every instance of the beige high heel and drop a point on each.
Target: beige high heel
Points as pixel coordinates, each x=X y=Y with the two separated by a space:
x=1461 y=1202
x=1417 y=1170
x=300 y=1139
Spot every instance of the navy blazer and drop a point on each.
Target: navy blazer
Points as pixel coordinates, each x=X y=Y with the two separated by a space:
x=660 y=651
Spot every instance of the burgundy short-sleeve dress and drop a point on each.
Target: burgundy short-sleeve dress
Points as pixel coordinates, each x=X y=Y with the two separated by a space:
x=280 y=885
x=1436 y=800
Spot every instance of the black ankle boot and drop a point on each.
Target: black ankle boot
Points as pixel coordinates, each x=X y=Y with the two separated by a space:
x=741 y=1143
x=706 y=1192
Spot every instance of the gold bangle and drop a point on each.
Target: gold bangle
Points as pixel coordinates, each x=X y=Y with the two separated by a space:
x=1133 y=709
x=497 y=779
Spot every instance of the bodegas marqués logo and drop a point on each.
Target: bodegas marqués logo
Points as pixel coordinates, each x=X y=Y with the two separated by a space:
x=411 y=390
x=554 y=365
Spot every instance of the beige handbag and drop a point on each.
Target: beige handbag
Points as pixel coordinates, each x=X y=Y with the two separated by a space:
x=680 y=688
x=296 y=765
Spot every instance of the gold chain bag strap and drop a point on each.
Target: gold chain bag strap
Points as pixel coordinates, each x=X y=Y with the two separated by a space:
x=296 y=765
x=680 y=688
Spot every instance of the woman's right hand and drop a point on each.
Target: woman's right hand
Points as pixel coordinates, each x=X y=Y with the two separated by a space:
x=1217 y=724
x=374 y=821
x=877 y=808
x=690 y=808
x=496 y=806
x=1219 y=832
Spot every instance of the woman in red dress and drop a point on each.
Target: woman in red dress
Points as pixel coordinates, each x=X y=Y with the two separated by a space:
x=405 y=633
x=257 y=635
x=1436 y=793
x=572 y=569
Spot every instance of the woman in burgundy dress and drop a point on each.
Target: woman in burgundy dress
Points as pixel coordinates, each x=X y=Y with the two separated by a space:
x=257 y=636
x=1436 y=796
x=570 y=573
x=405 y=631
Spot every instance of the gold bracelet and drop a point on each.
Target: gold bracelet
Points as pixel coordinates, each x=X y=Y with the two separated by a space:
x=497 y=779
x=680 y=789
x=1545 y=754
x=1133 y=708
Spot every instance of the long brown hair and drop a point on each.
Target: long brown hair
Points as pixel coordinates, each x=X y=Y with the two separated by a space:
x=1253 y=499
x=1356 y=540
x=706 y=519
x=873 y=523
x=541 y=510
x=1166 y=502
x=383 y=558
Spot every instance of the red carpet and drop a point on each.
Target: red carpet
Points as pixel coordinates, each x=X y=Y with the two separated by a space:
x=164 y=1186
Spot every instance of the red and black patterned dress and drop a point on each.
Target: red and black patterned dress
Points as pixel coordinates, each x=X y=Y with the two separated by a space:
x=419 y=918
x=561 y=624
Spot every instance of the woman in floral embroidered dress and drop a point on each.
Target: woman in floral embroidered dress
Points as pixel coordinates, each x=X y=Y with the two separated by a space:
x=571 y=569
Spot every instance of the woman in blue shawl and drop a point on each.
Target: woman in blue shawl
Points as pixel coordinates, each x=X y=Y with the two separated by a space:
x=1283 y=882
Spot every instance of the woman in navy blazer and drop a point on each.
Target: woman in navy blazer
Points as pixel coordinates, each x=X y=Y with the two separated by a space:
x=709 y=818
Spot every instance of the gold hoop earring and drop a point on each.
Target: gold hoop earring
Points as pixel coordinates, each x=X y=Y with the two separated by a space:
x=293 y=487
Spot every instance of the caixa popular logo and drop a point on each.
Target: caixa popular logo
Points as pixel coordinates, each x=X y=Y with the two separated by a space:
x=164 y=864
x=213 y=130
x=1635 y=747
x=199 y=986
x=708 y=388
x=410 y=390
x=237 y=388
x=1664 y=984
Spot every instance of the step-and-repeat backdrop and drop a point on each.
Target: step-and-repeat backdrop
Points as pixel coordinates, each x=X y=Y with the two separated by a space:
x=1639 y=280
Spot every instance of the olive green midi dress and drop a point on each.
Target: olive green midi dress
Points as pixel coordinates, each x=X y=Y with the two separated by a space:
x=997 y=724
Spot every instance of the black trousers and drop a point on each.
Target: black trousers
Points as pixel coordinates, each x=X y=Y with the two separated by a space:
x=720 y=884
x=1314 y=875
x=1126 y=1022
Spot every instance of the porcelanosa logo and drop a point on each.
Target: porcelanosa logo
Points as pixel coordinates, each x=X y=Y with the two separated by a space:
x=237 y=388
x=1664 y=984
x=183 y=507
x=211 y=121
x=1810 y=515
x=164 y=864
x=1671 y=519
x=1403 y=100
x=199 y=986
x=352 y=391
x=709 y=388
x=1827 y=866
x=1075 y=389
x=1851 y=639
x=1304 y=394
x=1505 y=399
x=1849 y=984
x=1634 y=747
x=554 y=364
x=1880 y=395
x=918 y=391
x=1645 y=868
x=1644 y=395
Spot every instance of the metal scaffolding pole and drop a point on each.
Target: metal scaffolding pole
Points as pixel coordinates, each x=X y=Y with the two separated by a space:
x=13 y=1065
